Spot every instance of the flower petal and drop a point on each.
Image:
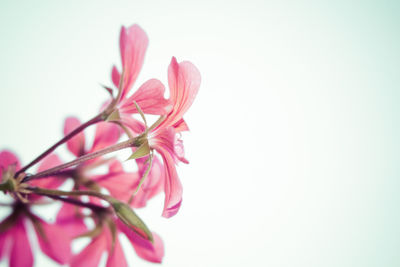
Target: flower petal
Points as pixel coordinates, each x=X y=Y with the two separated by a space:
x=172 y=186
x=115 y=76
x=133 y=45
x=184 y=82
x=69 y=217
x=76 y=144
x=106 y=134
x=8 y=158
x=48 y=162
x=153 y=252
x=91 y=255
x=117 y=256
x=149 y=97
x=119 y=185
x=20 y=243
x=152 y=185
x=54 y=241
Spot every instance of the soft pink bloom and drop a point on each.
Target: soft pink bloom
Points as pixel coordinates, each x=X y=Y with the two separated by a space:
x=90 y=256
x=184 y=83
x=149 y=96
x=52 y=240
x=14 y=240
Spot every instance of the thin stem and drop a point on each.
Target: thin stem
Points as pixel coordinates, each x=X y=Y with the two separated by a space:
x=53 y=192
x=135 y=142
x=76 y=202
x=92 y=121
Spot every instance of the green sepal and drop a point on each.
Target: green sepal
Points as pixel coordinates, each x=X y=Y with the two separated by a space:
x=141 y=151
x=114 y=116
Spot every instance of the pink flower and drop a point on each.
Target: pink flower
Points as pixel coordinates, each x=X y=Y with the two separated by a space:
x=184 y=83
x=149 y=96
x=14 y=238
x=13 y=235
x=90 y=256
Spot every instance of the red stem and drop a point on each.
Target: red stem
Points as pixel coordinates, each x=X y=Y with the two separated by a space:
x=92 y=121
x=135 y=142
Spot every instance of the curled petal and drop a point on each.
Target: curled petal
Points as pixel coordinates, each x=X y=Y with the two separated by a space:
x=8 y=158
x=172 y=185
x=149 y=97
x=76 y=144
x=184 y=82
x=133 y=45
x=153 y=252
x=54 y=241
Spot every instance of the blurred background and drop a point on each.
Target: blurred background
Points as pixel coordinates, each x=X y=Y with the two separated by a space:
x=294 y=142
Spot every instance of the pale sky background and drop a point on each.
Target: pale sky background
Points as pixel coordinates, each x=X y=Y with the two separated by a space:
x=294 y=142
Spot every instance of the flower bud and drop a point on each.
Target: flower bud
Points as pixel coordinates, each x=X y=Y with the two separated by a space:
x=129 y=217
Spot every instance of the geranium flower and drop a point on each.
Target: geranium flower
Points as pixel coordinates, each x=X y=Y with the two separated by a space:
x=90 y=256
x=53 y=241
x=150 y=95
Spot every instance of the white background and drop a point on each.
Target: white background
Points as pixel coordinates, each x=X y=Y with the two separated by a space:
x=294 y=142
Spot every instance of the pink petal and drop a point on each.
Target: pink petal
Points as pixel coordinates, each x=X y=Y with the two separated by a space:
x=3 y=241
x=91 y=255
x=184 y=82
x=69 y=217
x=181 y=126
x=133 y=124
x=153 y=184
x=115 y=166
x=115 y=76
x=49 y=182
x=8 y=158
x=149 y=97
x=77 y=144
x=133 y=44
x=106 y=134
x=119 y=185
x=116 y=258
x=54 y=242
x=172 y=186
x=153 y=252
x=20 y=244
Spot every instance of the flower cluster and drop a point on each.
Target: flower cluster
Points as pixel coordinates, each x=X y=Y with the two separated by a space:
x=106 y=198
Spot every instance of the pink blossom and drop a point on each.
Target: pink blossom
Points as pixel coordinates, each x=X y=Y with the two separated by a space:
x=150 y=95
x=184 y=83
x=90 y=255
x=14 y=239
x=13 y=236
